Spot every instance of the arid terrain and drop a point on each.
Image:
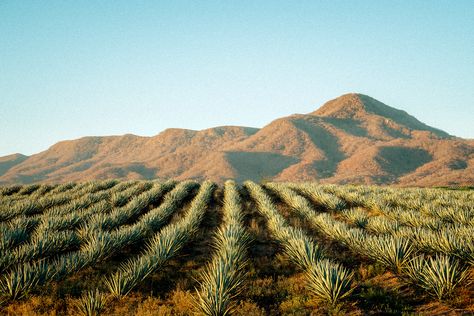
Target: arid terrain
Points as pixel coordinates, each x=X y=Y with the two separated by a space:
x=351 y=139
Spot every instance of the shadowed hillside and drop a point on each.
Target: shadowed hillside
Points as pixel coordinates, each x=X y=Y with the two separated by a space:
x=351 y=139
x=10 y=161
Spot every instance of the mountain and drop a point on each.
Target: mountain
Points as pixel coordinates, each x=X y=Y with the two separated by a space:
x=351 y=139
x=7 y=162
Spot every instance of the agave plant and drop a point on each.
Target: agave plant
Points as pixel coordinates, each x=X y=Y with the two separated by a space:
x=99 y=246
x=91 y=303
x=356 y=216
x=302 y=250
x=318 y=195
x=120 y=283
x=413 y=219
x=59 y=223
x=382 y=225
x=393 y=252
x=353 y=238
x=218 y=288
x=164 y=246
x=11 y=237
x=329 y=281
x=439 y=275
x=444 y=241
x=18 y=282
x=67 y=264
x=467 y=252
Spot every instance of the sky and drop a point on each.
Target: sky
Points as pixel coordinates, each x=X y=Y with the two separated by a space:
x=78 y=68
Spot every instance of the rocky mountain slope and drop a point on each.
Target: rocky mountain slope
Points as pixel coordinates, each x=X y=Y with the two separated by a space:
x=351 y=139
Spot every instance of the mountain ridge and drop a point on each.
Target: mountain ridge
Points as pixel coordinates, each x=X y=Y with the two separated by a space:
x=350 y=139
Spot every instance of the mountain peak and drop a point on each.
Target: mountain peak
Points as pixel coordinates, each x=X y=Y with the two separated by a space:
x=362 y=107
x=346 y=106
x=353 y=105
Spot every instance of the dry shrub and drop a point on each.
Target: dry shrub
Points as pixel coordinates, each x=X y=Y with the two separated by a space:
x=295 y=305
x=125 y=306
x=34 y=306
x=153 y=306
x=247 y=308
x=182 y=302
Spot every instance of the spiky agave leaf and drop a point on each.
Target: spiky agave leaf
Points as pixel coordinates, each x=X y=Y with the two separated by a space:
x=329 y=281
x=302 y=250
x=382 y=225
x=413 y=270
x=91 y=303
x=356 y=216
x=11 y=237
x=319 y=196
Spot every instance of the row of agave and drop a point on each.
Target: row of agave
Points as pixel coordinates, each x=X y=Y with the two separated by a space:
x=394 y=252
x=19 y=191
x=163 y=245
x=96 y=246
x=16 y=192
x=453 y=240
x=445 y=206
x=12 y=209
x=16 y=233
x=46 y=190
x=130 y=211
x=30 y=191
x=326 y=279
x=121 y=197
x=6 y=191
x=320 y=197
x=427 y=234
x=222 y=278
x=38 y=228
x=54 y=218
x=93 y=302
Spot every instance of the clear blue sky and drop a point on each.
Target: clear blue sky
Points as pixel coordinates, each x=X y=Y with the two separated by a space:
x=75 y=68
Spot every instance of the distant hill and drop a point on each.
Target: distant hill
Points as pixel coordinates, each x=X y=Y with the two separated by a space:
x=351 y=139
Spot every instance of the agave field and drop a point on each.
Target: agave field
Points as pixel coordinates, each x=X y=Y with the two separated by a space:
x=187 y=248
